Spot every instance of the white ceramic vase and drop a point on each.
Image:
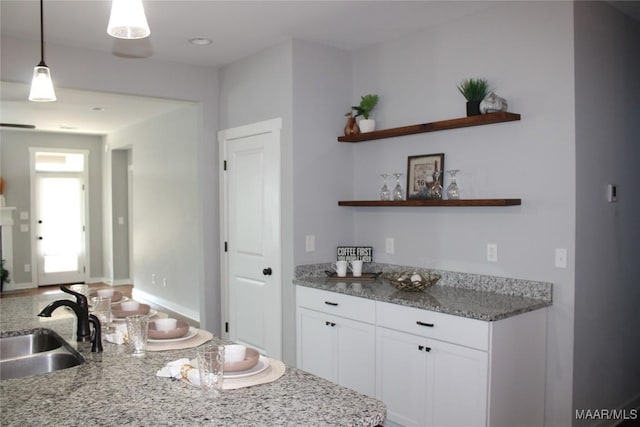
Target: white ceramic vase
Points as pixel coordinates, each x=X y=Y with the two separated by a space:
x=367 y=125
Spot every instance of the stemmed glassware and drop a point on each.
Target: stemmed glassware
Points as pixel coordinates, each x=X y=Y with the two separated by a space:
x=385 y=194
x=453 y=192
x=398 y=192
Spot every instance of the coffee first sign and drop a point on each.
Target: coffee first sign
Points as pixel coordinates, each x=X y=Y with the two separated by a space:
x=354 y=253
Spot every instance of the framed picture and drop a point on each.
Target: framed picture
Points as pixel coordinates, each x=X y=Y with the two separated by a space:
x=420 y=174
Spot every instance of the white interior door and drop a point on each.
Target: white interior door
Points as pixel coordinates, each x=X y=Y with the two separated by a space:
x=250 y=228
x=60 y=228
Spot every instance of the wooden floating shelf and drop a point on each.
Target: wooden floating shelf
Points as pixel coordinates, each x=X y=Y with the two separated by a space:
x=426 y=202
x=463 y=122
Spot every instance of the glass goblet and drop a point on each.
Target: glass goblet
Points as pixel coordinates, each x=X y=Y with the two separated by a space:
x=385 y=194
x=398 y=191
x=453 y=192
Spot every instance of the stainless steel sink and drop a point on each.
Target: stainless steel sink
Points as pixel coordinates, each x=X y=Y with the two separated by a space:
x=35 y=352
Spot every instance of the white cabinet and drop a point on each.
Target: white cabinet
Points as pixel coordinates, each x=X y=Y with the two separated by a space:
x=430 y=369
x=426 y=382
x=435 y=369
x=331 y=344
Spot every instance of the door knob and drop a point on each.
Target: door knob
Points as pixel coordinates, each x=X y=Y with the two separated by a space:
x=267 y=271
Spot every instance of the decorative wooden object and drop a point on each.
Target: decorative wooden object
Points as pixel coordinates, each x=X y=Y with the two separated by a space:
x=484 y=119
x=426 y=202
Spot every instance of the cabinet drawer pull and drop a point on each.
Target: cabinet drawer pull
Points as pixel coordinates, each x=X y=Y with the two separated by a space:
x=420 y=347
x=329 y=323
x=424 y=348
x=335 y=304
x=427 y=349
x=425 y=324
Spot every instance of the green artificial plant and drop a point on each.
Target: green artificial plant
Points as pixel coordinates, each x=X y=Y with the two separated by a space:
x=4 y=273
x=367 y=104
x=474 y=89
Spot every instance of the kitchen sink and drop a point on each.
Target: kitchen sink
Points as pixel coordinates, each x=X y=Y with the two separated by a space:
x=35 y=352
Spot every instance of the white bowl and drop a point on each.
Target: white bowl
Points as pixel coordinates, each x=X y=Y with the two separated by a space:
x=167 y=324
x=105 y=292
x=129 y=305
x=234 y=352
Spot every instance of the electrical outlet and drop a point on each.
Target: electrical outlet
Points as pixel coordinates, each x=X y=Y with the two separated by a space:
x=561 y=258
x=492 y=252
x=24 y=228
x=164 y=282
x=390 y=245
x=310 y=243
x=153 y=279
x=27 y=268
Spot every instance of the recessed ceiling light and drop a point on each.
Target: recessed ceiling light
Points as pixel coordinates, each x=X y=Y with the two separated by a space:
x=200 y=41
x=97 y=109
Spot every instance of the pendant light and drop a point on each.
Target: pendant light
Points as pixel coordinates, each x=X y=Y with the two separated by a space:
x=41 y=85
x=127 y=20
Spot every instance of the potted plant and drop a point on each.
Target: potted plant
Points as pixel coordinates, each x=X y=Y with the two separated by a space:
x=4 y=274
x=474 y=91
x=367 y=104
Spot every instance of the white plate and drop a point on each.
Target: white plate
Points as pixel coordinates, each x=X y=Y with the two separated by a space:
x=190 y=334
x=263 y=363
x=151 y=313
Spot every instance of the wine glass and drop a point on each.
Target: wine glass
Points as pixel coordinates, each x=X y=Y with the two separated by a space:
x=385 y=194
x=398 y=192
x=453 y=192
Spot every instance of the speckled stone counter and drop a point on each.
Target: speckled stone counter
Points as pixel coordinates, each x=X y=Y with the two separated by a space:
x=116 y=389
x=467 y=295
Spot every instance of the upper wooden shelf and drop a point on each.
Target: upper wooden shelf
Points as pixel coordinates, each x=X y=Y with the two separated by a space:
x=463 y=122
x=427 y=202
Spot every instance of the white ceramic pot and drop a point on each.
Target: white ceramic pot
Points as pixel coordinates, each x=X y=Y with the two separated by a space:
x=367 y=125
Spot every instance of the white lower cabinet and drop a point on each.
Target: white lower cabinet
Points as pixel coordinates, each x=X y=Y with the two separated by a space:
x=338 y=349
x=429 y=368
x=426 y=382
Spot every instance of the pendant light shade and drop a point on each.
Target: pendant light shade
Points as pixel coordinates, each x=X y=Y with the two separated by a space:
x=42 y=85
x=127 y=20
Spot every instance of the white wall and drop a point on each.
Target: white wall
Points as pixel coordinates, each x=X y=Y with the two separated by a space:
x=259 y=88
x=525 y=50
x=14 y=160
x=96 y=71
x=607 y=343
x=167 y=238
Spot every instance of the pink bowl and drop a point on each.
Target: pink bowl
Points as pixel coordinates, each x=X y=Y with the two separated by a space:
x=250 y=360
x=117 y=310
x=181 y=330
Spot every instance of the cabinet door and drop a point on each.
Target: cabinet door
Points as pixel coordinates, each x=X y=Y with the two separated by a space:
x=457 y=385
x=356 y=354
x=317 y=345
x=401 y=370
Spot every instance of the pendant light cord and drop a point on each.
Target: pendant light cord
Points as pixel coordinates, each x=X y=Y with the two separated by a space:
x=42 y=64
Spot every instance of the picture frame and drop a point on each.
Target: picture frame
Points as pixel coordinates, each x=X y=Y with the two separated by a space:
x=420 y=174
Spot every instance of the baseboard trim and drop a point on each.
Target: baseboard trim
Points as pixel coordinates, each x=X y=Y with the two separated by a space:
x=181 y=310
x=17 y=286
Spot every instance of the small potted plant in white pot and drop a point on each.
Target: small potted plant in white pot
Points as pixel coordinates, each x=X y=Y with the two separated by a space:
x=367 y=104
x=474 y=91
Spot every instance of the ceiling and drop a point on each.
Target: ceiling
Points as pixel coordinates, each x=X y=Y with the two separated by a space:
x=237 y=29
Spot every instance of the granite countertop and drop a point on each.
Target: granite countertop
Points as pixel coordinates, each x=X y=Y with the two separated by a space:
x=114 y=389
x=476 y=297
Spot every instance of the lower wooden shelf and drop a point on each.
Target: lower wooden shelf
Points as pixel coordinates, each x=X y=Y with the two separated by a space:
x=426 y=202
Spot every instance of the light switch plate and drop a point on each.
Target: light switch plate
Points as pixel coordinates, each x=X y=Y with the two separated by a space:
x=24 y=215
x=310 y=243
x=390 y=245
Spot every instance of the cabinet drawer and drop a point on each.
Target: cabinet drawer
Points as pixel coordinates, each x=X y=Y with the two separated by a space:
x=454 y=329
x=355 y=308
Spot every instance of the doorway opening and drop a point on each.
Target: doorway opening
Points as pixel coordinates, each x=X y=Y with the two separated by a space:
x=59 y=199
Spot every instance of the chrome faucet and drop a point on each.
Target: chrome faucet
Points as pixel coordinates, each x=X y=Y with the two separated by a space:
x=81 y=310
